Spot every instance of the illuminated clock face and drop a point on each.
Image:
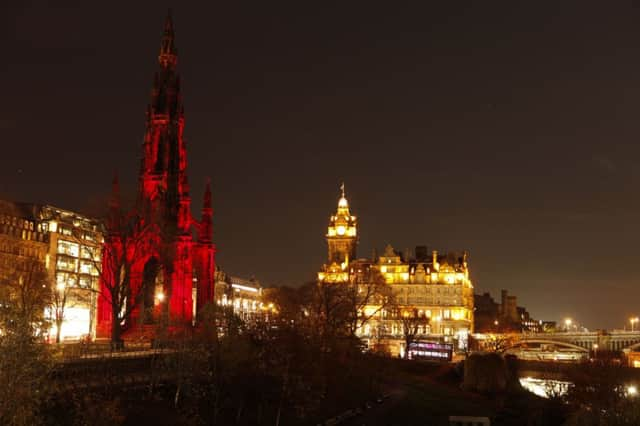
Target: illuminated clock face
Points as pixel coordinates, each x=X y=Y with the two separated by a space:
x=341 y=230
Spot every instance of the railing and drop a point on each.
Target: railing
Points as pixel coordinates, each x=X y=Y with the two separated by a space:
x=76 y=351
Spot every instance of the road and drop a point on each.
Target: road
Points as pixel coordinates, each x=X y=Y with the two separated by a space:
x=379 y=411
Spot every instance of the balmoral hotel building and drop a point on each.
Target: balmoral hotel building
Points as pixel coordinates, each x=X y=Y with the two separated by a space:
x=433 y=286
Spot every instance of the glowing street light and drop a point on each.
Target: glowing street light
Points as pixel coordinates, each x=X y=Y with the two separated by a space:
x=567 y=323
x=633 y=321
x=632 y=391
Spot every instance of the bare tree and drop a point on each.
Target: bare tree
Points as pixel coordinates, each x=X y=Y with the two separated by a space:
x=332 y=310
x=499 y=342
x=63 y=295
x=127 y=240
x=24 y=296
x=24 y=361
x=366 y=298
x=411 y=322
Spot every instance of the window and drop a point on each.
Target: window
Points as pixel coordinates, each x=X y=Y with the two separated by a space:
x=67 y=264
x=68 y=248
x=88 y=282
x=66 y=279
x=87 y=267
x=86 y=252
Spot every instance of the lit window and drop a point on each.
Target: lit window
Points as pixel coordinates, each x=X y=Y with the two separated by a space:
x=68 y=248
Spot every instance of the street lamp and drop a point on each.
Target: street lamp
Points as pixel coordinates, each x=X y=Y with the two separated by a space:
x=567 y=324
x=633 y=321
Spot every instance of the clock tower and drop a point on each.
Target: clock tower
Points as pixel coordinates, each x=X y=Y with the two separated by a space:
x=342 y=234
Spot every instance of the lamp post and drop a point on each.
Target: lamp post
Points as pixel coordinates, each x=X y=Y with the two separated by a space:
x=633 y=321
x=567 y=324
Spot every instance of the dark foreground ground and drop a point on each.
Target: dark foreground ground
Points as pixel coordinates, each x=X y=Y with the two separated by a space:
x=427 y=394
x=416 y=393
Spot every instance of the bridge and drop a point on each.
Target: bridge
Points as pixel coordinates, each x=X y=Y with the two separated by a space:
x=601 y=340
x=546 y=350
x=566 y=346
x=573 y=346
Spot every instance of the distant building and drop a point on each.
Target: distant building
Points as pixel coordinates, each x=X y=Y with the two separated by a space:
x=487 y=313
x=491 y=316
x=22 y=238
x=548 y=326
x=433 y=286
x=69 y=246
x=245 y=296
x=508 y=308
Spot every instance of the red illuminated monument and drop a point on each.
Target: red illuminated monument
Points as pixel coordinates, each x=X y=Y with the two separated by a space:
x=168 y=265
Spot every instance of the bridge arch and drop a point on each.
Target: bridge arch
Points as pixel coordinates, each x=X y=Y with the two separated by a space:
x=547 y=350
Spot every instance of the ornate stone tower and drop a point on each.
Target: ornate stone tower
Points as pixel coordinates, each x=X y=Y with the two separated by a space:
x=341 y=235
x=173 y=260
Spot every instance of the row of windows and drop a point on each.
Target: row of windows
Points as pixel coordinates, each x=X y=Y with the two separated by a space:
x=18 y=250
x=397 y=329
x=71 y=264
x=76 y=250
x=21 y=233
x=431 y=301
x=429 y=290
x=16 y=221
x=77 y=232
x=75 y=280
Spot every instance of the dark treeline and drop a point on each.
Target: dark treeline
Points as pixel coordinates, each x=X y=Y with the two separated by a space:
x=300 y=366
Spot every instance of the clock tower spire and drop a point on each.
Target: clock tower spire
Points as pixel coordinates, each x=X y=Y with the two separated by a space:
x=342 y=233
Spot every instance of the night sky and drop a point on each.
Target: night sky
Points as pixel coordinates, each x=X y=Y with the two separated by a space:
x=508 y=130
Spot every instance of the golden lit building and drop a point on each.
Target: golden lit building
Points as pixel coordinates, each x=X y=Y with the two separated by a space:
x=69 y=246
x=433 y=288
x=244 y=296
x=75 y=253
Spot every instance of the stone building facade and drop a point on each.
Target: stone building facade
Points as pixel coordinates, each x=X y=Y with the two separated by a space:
x=434 y=287
x=68 y=244
x=244 y=296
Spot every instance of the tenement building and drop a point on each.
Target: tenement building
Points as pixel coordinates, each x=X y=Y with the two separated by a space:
x=417 y=296
x=67 y=245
